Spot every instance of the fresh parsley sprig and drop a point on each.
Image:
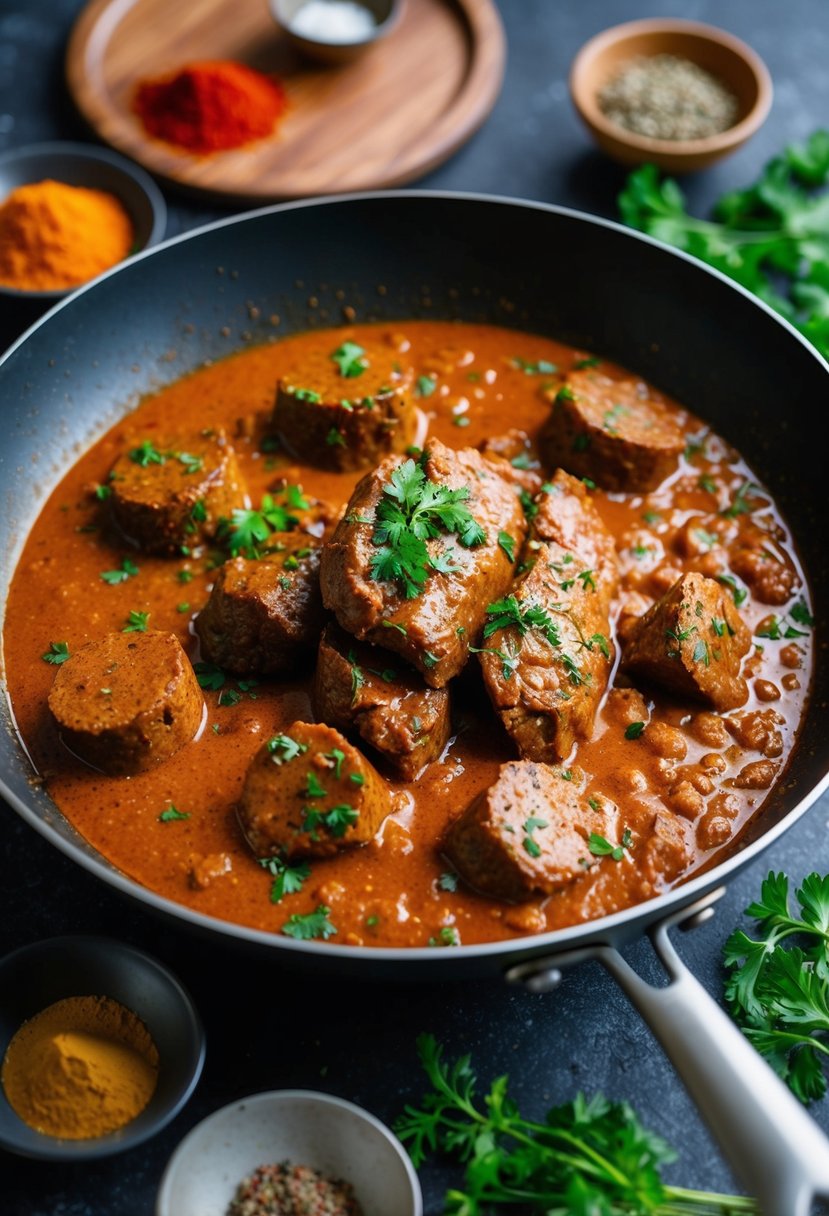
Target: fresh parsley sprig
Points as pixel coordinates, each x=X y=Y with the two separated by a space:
x=772 y=237
x=778 y=984
x=588 y=1156
x=246 y=532
x=411 y=511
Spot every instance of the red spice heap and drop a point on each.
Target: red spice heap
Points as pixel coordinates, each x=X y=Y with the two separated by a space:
x=211 y=105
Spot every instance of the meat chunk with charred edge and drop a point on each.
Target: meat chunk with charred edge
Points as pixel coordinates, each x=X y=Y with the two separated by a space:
x=346 y=409
x=431 y=623
x=546 y=656
x=170 y=497
x=127 y=701
x=360 y=687
x=691 y=642
x=529 y=833
x=265 y=615
x=310 y=793
x=612 y=431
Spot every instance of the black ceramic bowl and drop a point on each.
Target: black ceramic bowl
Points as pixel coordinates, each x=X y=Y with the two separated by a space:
x=94 y=168
x=39 y=974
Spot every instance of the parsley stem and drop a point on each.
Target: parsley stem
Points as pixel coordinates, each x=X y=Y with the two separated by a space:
x=689 y=1201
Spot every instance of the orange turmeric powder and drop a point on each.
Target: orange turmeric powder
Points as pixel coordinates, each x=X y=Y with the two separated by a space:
x=54 y=236
x=81 y=1068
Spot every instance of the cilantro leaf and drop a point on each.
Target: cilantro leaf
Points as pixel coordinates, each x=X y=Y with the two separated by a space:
x=287 y=879
x=57 y=653
x=245 y=532
x=350 y=359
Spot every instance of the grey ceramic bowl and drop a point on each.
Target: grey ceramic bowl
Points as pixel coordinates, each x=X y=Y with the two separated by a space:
x=95 y=168
x=385 y=14
x=301 y=1126
x=39 y=974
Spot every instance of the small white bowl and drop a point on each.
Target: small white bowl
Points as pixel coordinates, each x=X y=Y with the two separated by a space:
x=385 y=15
x=336 y=1137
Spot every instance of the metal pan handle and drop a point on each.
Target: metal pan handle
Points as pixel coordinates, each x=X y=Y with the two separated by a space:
x=775 y=1148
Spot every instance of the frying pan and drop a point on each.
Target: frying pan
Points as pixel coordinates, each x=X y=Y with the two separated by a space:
x=683 y=327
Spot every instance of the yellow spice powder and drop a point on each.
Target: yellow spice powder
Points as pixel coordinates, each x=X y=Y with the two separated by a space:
x=81 y=1068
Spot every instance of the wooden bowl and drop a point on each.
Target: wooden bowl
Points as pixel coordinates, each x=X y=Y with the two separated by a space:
x=727 y=58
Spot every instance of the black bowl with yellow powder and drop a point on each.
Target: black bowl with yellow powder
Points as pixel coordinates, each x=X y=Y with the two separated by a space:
x=100 y=1047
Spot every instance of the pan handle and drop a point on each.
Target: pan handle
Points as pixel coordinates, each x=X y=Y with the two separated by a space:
x=777 y=1151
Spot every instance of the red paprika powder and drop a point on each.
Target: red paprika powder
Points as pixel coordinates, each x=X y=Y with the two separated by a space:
x=210 y=105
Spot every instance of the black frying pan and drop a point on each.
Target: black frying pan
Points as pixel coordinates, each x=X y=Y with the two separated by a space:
x=594 y=284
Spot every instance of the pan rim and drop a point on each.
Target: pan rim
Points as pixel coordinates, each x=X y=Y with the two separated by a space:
x=607 y=928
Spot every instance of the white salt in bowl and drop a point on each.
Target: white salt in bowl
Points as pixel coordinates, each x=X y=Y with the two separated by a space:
x=336 y=31
x=300 y=1126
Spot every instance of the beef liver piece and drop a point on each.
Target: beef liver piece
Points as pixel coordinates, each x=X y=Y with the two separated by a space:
x=362 y=688
x=343 y=421
x=127 y=701
x=612 y=431
x=433 y=630
x=264 y=616
x=528 y=833
x=310 y=793
x=171 y=496
x=691 y=642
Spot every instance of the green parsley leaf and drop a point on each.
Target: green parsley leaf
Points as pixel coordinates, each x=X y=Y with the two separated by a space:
x=634 y=730
x=778 y=982
x=507 y=543
x=57 y=653
x=310 y=925
x=411 y=511
x=146 y=454
x=171 y=814
x=136 y=622
x=425 y=386
x=246 y=531
x=350 y=359
x=287 y=879
x=283 y=748
x=128 y=569
x=209 y=675
x=600 y=847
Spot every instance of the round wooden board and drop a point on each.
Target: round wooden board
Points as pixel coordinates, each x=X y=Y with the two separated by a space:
x=400 y=110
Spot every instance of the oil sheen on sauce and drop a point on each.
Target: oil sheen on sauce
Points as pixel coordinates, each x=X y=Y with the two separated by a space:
x=398 y=890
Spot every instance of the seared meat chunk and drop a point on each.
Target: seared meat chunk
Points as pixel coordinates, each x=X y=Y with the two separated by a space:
x=171 y=496
x=127 y=701
x=691 y=642
x=567 y=515
x=528 y=833
x=264 y=616
x=547 y=656
x=515 y=459
x=612 y=431
x=360 y=687
x=424 y=598
x=309 y=793
x=347 y=408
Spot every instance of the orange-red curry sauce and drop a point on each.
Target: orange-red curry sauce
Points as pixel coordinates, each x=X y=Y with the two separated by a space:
x=397 y=890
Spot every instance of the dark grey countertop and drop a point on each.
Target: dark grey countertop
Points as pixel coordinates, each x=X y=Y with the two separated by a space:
x=272 y=1028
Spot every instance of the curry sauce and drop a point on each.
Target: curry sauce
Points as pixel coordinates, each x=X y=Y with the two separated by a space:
x=663 y=758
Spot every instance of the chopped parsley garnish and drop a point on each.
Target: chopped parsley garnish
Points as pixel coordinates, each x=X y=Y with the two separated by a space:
x=411 y=511
x=229 y=696
x=287 y=879
x=531 y=846
x=448 y=881
x=172 y=813
x=185 y=576
x=247 y=531
x=335 y=438
x=600 y=847
x=306 y=394
x=146 y=454
x=634 y=730
x=509 y=612
x=57 y=653
x=739 y=594
x=136 y=622
x=127 y=569
x=192 y=464
x=584 y=364
x=336 y=756
x=543 y=367
x=739 y=504
x=425 y=386
x=350 y=359
x=336 y=821
x=507 y=543
x=283 y=748
x=448 y=936
x=779 y=628
x=310 y=925
x=313 y=789
x=209 y=675
x=102 y=492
